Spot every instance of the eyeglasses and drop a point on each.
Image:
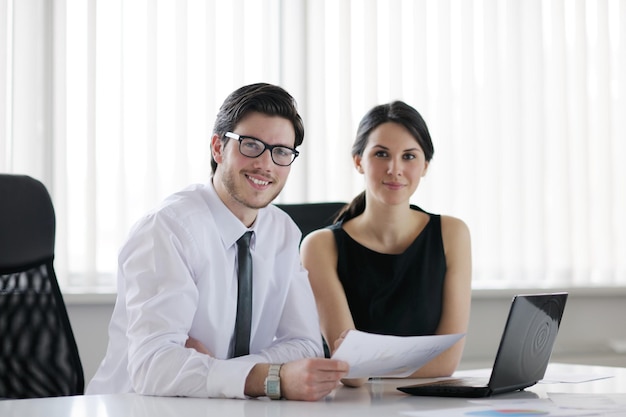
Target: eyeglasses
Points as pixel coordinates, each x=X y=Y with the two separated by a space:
x=253 y=148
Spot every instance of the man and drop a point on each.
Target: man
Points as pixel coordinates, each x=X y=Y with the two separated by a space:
x=173 y=327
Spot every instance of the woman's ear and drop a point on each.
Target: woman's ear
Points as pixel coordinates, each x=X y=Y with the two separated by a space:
x=357 y=163
x=426 y=165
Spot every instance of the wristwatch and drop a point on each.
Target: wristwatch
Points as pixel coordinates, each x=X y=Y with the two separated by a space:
x=272 y=382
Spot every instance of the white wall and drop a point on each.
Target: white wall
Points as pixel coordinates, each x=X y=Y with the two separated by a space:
x=592 y=322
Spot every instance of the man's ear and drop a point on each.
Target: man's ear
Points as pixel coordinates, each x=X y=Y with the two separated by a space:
x=217 y=148
x=357 y=163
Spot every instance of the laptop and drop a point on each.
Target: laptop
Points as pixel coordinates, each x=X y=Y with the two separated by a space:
x=523 y=354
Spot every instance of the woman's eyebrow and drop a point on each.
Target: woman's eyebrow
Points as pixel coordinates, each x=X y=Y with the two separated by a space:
x=418 y=149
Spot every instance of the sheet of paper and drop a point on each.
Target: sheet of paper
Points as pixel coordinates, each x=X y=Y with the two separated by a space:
x=582 y=401
x=560 y=373
x=375 y=355
x=554 y=375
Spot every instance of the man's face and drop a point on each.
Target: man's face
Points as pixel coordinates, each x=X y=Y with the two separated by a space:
x=247 y=184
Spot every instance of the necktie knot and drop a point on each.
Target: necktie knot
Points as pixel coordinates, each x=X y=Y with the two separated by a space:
x=244 y=240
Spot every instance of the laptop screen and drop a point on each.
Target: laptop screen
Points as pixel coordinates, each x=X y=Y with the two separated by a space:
x=527 y=341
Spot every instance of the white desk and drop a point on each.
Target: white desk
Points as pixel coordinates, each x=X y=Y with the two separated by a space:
x=376 y=398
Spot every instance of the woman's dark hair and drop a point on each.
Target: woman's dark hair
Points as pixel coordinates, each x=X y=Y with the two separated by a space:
x=395 y=112
x=262 y=98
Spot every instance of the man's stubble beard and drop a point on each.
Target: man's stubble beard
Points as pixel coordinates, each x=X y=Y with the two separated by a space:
x=230 y=184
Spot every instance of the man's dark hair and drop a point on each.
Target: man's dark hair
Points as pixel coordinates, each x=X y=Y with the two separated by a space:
x=263 y=98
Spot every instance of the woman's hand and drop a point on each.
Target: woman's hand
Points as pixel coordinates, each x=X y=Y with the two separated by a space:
x=197 y=345
x=349 y=382
x=340 y=340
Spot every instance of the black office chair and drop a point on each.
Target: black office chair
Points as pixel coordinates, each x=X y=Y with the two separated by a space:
x=38 y=352
x=312 y=216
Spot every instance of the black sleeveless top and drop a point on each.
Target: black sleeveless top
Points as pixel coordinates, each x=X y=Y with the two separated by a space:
x=394 y=294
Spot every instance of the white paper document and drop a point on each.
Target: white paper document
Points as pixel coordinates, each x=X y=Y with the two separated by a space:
x=554 y=375
x=375 y=355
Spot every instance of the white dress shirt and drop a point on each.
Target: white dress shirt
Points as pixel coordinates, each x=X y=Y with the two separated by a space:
x=177 y=277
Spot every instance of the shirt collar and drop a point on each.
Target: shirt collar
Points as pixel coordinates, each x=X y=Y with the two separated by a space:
x=230 y=227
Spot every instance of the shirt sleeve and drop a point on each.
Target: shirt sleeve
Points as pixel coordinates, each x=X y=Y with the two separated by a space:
x=161 y=300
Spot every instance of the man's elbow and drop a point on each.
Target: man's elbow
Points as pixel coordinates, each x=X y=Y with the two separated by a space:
x=142 y=384
x=145 y=379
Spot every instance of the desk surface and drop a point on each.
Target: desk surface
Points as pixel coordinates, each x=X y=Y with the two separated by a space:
x=376 y=398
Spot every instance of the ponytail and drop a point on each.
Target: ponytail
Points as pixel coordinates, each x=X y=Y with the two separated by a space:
x=350 y=211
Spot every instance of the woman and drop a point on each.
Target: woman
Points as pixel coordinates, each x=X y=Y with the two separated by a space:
x=387 y=266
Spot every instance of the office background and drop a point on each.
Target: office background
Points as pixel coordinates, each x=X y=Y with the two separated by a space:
x=110 y=104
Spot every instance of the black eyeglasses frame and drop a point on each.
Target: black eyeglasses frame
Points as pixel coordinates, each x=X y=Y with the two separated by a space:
x=266 y=146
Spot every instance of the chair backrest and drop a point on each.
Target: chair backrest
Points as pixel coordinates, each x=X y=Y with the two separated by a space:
x=312 y=216
x=38 y=352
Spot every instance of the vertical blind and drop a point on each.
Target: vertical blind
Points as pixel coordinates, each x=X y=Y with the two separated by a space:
x=111 y=105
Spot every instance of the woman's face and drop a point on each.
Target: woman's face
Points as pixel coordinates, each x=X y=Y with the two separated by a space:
x=393 y=163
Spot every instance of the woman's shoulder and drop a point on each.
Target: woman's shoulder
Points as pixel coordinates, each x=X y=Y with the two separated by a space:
x=454 y=232
x=453 y=224
x=319 y=252
x=321 y=239
x=448 y=222
x=451 y=227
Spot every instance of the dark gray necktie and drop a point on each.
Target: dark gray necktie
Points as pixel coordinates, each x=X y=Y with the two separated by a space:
x=244 y=296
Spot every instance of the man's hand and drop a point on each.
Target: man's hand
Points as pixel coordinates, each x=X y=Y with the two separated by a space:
x=311 y=379
x=195 y=344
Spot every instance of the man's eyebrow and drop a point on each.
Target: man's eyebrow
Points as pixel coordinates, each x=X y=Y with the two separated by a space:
x=261 y=140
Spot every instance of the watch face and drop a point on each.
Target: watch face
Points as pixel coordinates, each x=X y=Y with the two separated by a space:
x=272 y=382
x=272 y=388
